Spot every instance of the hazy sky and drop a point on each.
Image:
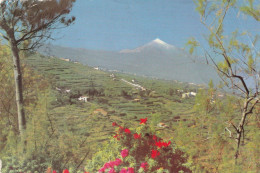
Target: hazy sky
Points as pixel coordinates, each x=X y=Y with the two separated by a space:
x=126 y=24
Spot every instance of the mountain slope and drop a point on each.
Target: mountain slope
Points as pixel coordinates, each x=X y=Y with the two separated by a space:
x=154 y=59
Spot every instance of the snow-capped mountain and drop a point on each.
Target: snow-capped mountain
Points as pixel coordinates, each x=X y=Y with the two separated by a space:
x=160 y=44
x=154 y=59
x=157 y=43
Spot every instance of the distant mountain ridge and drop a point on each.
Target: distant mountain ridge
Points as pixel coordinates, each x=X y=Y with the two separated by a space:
x=154 y=59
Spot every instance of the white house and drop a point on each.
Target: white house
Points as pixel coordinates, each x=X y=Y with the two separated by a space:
x=83 y=98
x=185 y=95
x=193 y=93
x=67 y=91
x=189 y=94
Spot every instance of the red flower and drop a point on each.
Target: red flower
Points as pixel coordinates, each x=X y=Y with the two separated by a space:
x=123 y=170
x=108 y=165
x=143 y=121
x=159 y=144
x=127 y=131
x=162 y=144
x=155 y=153
x=130 y=170
x=144 y=165
x=114 y=124
x=124 y=153
x=117 y=162
x=112 y=170
x=54 y=171
x=101 y=170
x=136 y=136
x=66 y=171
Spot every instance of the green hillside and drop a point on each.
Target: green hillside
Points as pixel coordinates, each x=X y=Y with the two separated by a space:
x=122 y=102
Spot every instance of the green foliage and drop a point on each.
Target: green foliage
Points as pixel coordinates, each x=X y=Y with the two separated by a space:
x=250 y=62
x=251 y=9
x=205 y=100
x=8 y=119
x=105 y=152
x=193 y=44
x=212 y=135
x=36 y=163
x=200 y=6
x=35 y=159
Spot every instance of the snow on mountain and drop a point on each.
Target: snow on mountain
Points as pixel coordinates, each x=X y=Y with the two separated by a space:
x=160 y=43
x=157 y=43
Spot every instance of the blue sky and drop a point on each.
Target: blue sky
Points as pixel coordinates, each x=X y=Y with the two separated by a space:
x=126 y=24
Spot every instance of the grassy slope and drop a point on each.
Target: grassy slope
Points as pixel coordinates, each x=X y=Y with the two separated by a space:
x=80 y=119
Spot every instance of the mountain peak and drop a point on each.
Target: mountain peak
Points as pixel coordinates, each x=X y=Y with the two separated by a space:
x=159 y=41
x=156 y=43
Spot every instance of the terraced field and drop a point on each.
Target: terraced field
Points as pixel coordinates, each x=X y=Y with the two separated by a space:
x=80 y=118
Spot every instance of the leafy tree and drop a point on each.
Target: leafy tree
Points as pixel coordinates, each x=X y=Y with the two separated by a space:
x=236 y=60
x=24 y=24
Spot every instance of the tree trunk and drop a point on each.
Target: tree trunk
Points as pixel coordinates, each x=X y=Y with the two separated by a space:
x=238 y=139
x=18 y=88
x=240 y=128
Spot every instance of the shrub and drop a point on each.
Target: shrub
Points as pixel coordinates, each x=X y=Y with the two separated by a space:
x=140 y=150
x=30 y=163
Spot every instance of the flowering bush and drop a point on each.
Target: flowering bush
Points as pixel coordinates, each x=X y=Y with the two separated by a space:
x=143 y=151
x=136 y=150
